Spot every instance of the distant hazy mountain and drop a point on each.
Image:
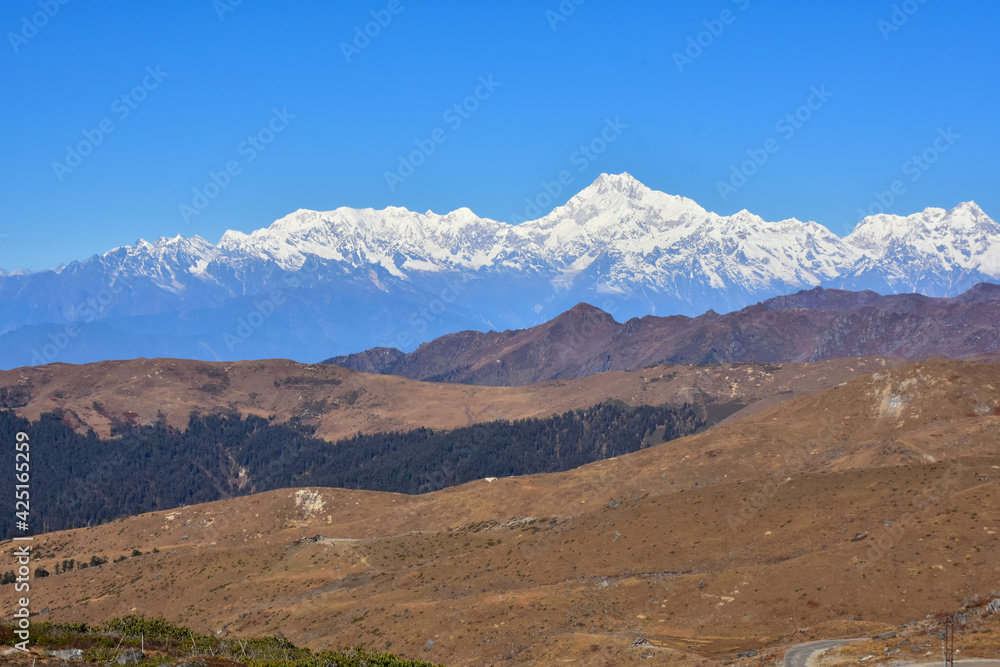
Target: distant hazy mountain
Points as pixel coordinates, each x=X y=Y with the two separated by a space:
x=314 y=284
x=814 y=325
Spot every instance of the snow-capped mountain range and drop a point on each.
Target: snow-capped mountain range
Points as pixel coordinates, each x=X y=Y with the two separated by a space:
x=314 y=284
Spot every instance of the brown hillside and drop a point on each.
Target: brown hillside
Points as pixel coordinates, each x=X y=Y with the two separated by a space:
x=810 y=325
x=341 y=402
x=844 y=512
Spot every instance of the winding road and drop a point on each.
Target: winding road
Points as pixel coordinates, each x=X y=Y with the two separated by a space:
x=798 y=656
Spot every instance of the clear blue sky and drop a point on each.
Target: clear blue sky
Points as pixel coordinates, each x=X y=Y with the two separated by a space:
x=891 y=92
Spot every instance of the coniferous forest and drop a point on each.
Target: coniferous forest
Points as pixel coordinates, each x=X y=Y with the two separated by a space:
x=81 y=479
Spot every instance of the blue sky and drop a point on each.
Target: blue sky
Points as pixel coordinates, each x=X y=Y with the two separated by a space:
x=209 y=85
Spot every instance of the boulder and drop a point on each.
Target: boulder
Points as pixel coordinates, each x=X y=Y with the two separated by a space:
x=67 y=654
x=130 y=657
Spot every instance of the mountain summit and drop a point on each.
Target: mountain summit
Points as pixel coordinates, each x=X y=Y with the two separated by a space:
x=318 y=283
x=926 y=252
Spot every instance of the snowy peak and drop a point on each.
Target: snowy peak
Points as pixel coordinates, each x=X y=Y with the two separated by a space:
x=383 y=277
x=145 y=258
x=615 y=237
x=936 y=252
x=626 y=238
x=967 y=216
x=963 y=237
x=614 y=212
x=615 y=192
x=394 y=238
x=970 y=206
x=623 y=183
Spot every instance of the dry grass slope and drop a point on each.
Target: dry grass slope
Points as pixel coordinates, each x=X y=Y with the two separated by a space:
x=341 y=402
x=843 y=512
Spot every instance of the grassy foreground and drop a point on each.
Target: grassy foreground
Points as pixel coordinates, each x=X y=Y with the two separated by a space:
x=164 y=643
